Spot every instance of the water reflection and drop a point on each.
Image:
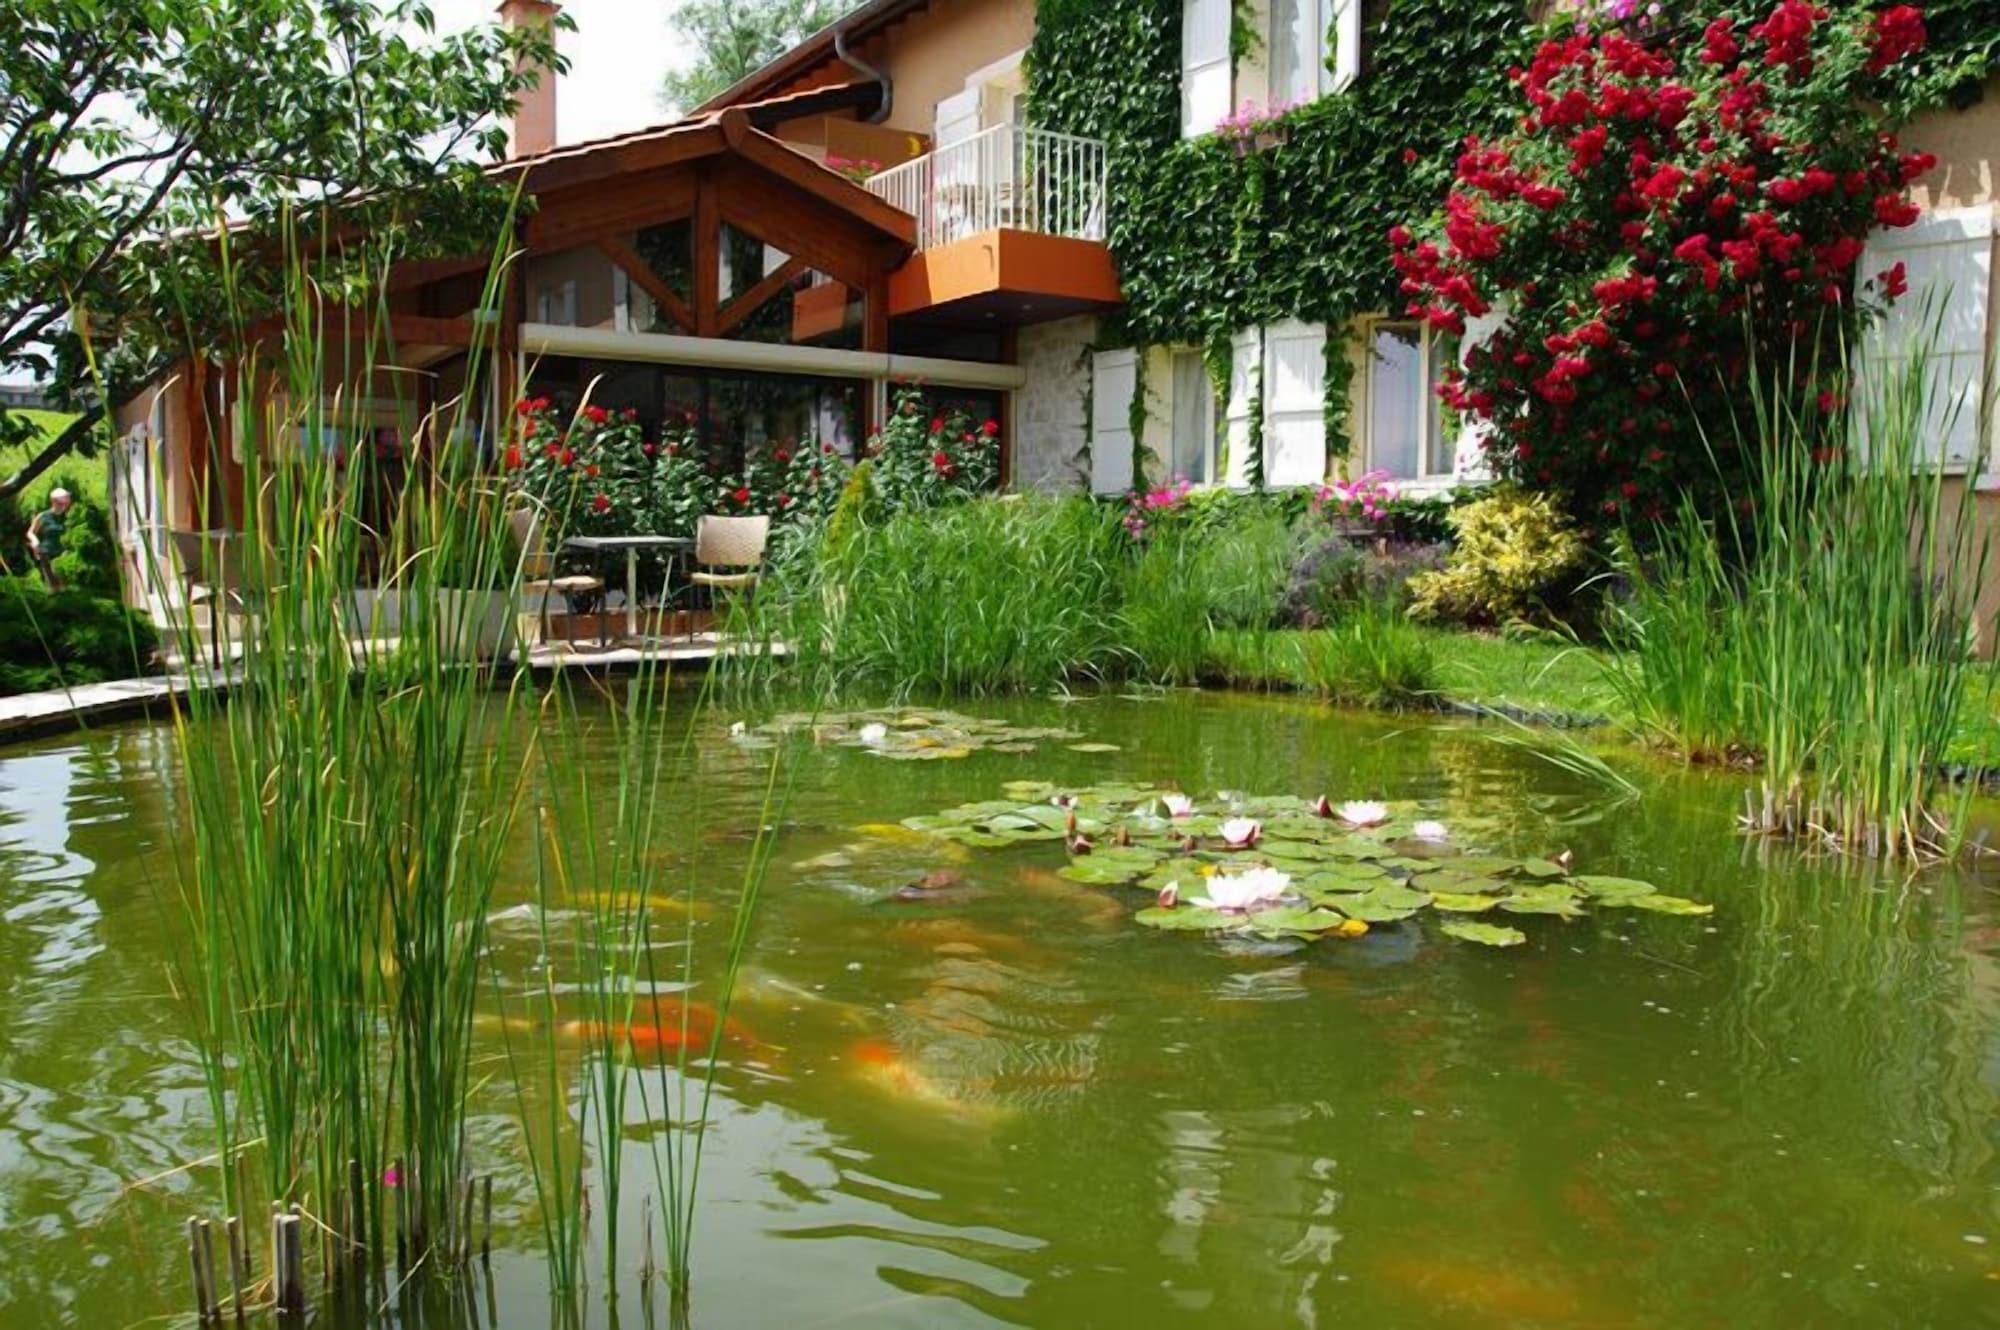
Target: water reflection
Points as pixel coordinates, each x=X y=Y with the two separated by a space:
x=1002 y=1104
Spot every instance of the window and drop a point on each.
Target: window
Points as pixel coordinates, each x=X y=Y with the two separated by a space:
x=1194 y=420
x=1298 y=60
x=1408 y=434
x=1205 y=71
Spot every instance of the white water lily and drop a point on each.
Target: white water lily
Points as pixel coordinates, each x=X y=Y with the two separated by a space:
x=1245 y=890
x=874 y=734
x=1362 y=813
x=1178 y=805
x=1430 y=831
x=1240 y=833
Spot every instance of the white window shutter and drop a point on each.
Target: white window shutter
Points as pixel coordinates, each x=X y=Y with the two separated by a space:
x=1114 y=377
x=1948 y=261
x=1205 y=71
x=1344 y=31
x=1469 y=455
x=1294 y=404
x=957 y=118
x=1245 y=349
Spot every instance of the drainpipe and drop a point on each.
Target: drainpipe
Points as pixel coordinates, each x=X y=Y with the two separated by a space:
x=840 y=53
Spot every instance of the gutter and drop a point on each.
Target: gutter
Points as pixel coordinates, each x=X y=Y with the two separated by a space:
x=813 y=52
x=866 y=70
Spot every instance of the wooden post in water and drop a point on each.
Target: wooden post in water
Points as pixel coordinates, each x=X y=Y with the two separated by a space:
x=486 y=1222
x=208 y=1279
x=464 y=1244
x=288 y=1263
x=239 y=1274
x=201 y=1294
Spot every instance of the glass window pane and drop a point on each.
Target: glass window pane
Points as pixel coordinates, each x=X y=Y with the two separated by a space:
x=1395 y=385
x=1294 y=50
x=1193 y=418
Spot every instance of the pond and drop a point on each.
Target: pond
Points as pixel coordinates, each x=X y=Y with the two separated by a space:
x=1003 y=1103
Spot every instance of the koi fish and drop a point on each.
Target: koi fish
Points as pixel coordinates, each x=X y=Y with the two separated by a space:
x=881 y=1065
x=664 y=1024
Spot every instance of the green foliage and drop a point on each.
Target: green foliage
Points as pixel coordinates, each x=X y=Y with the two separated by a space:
x=1335 y=575
x=732 y=39
x=1827 y=633
x=1513 y=558
x=1372 y=656
x=62 y=639
x=1210 y=240
x=923 y=459
x=129 y=128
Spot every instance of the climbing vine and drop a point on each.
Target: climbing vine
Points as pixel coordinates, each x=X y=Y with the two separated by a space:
x=1211 y=240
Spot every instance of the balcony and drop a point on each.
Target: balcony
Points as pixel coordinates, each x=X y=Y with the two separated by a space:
x=1010 y=229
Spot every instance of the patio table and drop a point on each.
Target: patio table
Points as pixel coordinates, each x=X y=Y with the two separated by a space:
x=598 y=546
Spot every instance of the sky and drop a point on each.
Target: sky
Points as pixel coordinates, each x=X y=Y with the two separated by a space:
x=617 y=55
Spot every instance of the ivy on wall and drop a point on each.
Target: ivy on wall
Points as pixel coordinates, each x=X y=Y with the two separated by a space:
x=1210 y=240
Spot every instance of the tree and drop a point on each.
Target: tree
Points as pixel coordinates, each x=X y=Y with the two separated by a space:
x=1667 y=216
x=130 y=132
x=734 y=38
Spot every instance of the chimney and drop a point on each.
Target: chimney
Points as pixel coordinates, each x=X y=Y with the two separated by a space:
x=534 y=126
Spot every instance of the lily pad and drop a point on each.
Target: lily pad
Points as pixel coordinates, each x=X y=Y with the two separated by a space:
x=1534 y=901
x=1186 y=919
x=1094 y=748
x=1489 y=935
x=1457 y=902
x=1659 y=904
x=1607 y=888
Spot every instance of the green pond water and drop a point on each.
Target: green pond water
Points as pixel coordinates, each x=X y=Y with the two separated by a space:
x=1008 y=1104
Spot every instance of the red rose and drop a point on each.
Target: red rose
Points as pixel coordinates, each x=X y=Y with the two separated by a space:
x=1718 y=43
x=596 y=415
x=566 y=456
x=1894 y=281
x=1898 y=31
x=1399 y=236
x=553 y=450
x=514 y=458
x=649 y=448
x=523 y=407
x=601 y=503
x=742 y=495
x=528 y=430
x=782 y=456
x=631 y=413
x=1893 y=211
x=937 y=424
x=591 y=471
x=990 y=428
x=784 y=500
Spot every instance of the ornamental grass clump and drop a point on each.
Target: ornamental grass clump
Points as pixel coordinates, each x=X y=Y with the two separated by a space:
x=1826 y=633
x=1663 y=216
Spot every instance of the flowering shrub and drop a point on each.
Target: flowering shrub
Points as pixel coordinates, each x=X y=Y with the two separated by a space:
x=600 y=476
x=924 y=460
x=1513 y=555
x=1370 y=497
x=1143 y=510
x=857 y=169
x=1243 y=125
x=1651 y=222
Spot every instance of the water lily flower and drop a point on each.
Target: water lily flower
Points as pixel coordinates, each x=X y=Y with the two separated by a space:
x=1178 y=805
x=738 y=729
x=1564 y=860
x=1430 y=831
x=1170 y=896
x=1246 y=890
x=1324 y=807
x=1362 y=813
x=1080 y=845
x=1240 y=833
x=874 y=733
x=1063 y=800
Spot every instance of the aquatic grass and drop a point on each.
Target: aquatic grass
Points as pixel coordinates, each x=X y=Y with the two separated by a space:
x=1372 y=656
x=1827 y=634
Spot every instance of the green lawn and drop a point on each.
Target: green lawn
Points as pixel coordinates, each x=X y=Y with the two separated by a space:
x=1551 y=676
x=86 y=476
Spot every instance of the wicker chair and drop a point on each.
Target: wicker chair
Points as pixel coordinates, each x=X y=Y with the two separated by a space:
x=539 y=579
x=732 y=545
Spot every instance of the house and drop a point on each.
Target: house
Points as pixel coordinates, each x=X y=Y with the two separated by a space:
x=883 y=203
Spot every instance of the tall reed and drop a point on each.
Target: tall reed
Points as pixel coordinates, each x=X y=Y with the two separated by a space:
x=1825 y=633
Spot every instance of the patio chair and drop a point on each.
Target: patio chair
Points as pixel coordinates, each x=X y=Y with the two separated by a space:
x=539 y=578
x=728 y=551
x=212 y=574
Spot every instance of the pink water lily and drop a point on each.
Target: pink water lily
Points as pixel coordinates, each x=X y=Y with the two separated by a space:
x=1170 y=896
x=1177 y=805
x=1433 y=831
x=1240 y=833
x=1362 y=813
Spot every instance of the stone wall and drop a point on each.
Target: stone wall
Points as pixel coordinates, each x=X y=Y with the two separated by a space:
x=1050 y=435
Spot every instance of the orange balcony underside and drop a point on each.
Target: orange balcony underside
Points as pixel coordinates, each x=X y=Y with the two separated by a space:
x=1005 y=278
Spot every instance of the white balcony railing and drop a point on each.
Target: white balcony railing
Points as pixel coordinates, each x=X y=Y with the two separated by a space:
x=1008 y=176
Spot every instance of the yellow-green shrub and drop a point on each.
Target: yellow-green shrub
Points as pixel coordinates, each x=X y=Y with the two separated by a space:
x=1511 y=552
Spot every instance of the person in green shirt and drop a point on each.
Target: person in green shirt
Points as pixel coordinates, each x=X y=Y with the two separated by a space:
x=45 y=536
